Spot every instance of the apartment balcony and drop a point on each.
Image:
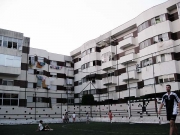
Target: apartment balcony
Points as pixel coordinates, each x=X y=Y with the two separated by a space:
x=130 y=58
x=109 y=65
x=108 y=49
x=133 y=93
x=149 y=89
x=132 y=75
x=130 y=41
x=15 y=71
x=109 y=80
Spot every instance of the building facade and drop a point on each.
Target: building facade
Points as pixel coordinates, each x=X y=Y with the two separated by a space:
x=133 y=60
x=30 y=75
x=136 y=59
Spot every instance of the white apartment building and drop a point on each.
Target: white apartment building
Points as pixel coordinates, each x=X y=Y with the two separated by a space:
x=136 y=59
x=32 y=79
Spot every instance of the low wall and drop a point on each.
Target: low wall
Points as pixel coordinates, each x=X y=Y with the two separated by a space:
x=143 y=111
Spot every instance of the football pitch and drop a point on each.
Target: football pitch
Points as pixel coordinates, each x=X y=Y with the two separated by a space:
x=94 y=128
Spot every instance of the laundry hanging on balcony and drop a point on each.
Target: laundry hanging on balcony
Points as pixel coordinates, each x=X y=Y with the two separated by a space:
x=44 y=84
x=56 y=67
x=39 y=80
x=40 y=64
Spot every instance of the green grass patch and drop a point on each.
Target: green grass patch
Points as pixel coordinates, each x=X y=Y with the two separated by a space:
x=93 y=128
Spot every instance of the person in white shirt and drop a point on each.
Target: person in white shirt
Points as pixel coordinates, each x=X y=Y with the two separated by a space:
x=74 y=116
x=43 y=128
x=63 y=118
x=87 y=115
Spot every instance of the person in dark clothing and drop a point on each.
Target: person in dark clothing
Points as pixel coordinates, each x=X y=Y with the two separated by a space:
x=170 y=100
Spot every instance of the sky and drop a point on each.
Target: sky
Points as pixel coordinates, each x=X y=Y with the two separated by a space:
x=60 y=26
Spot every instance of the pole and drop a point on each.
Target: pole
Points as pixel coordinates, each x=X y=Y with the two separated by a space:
x=61 y=106
x=108 y=89
x=129 y=93
x=154 y=84
x=35 y=105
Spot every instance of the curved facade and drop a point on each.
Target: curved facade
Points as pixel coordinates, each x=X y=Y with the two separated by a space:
x=137 y=58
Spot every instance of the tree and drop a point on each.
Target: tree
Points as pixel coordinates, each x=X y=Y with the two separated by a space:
x=88 y=99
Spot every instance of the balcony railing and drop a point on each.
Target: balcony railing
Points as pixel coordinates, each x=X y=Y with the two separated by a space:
x=130 y=41
x=109 y=80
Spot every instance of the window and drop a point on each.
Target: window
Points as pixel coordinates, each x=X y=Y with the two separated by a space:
x=40 y=59
x=145 y=43
x=88 y=51
x=160 y=38
x=84 y=53
x=68 y=64
x=178 y=6
x=53 y=87
x=8 y=82
x=83 y=66
x=69 y=81
x=106 y=57
x=8 y=99
x=20 y=42
x=14 y=43
x=87 y=65
x=165 y=37
x=30 y=71
x=84 y=80
x=158 y=19
x=166 y=78
x=30 y=85
x=163 y=58
x=5 y=41
x=79 y=82
x=139 y=28
x=54 y=63
x=146 y=62
x=53 y=75
x=9 y=42
x=39 y=72
x=8 y=60
x=143 y=26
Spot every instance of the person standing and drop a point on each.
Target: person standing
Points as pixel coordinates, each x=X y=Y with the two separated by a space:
x=63 y=118
x=87 y=116
x=170 y=100
x=74 y=116
x=110 y=115
x=66 y=118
